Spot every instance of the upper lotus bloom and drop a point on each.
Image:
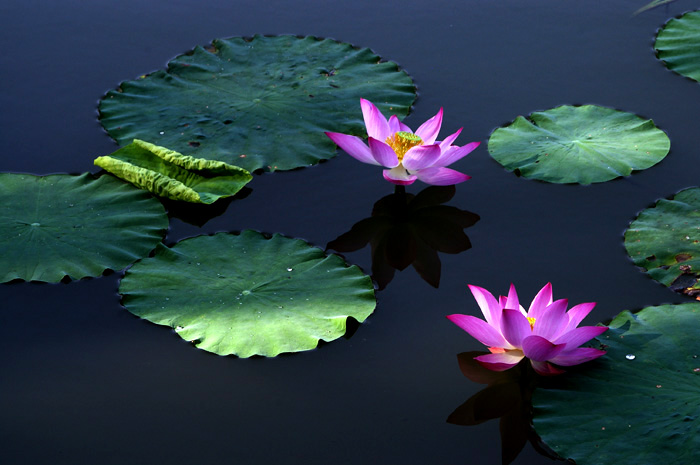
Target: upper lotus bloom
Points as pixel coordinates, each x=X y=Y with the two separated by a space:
x=546 y=334
x=408 y=155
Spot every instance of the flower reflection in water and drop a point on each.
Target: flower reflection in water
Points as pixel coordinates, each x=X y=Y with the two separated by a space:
x=507 y=396
x=407 y=229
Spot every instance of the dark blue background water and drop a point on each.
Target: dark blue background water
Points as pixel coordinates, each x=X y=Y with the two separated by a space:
x=82 y=381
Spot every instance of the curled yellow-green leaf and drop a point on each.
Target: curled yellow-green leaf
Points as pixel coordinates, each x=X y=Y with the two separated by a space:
x=167 y=173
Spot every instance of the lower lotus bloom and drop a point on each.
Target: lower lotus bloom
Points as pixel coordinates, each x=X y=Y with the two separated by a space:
x=546 y=333
x=408 y=155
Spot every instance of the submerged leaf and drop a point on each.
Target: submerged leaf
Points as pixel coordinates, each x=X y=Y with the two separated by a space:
x=583 y=145
x=247 y=294
x=262 y=102
x=636 y=404
x=651 y=5
x=167 y=173
x=664 y=240
x=77 y=226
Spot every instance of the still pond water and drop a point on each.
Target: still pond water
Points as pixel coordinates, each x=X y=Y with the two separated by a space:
x=84 y=381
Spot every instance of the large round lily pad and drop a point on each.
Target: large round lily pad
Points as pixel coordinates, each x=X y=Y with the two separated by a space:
x=584 y=145
x=77 y=226
x=664 y=240
x=247 y=294
x=260 y=102
x=639 y=402
x=678 y=45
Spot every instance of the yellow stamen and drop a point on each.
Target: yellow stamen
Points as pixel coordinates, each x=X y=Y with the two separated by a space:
x=532 y=322
x=402 y=141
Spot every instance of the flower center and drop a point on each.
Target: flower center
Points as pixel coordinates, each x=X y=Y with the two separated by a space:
x=402 y=141
x=532 y=322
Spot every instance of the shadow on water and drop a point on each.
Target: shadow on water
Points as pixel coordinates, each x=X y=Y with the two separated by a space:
x=407 y=229
x=508 y=397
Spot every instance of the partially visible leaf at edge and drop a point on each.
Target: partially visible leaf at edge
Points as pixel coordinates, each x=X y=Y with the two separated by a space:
x=638 y=404
x=678 y=45
x=77 y=226
x=664 y=240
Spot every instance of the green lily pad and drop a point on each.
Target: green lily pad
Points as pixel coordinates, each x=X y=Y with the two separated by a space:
x=664 y=240
x=76 y=226
x=247 y=294
x=678 y=45
x=583 y=145
x=260 y=102
x=639 y=402
x=169 y=174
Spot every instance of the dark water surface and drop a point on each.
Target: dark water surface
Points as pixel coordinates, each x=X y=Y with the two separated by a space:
x=82 y=381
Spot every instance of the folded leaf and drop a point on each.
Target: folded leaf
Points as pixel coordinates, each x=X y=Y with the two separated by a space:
x=167 y=173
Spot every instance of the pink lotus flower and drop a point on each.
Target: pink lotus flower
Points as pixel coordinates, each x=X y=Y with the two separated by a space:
x=545 y=334
x=408 y=155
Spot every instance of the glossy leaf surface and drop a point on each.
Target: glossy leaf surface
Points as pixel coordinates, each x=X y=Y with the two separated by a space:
x=77 y=226
x=584 y=145
x=262 y=102
x=678 y=45
x=247 y=294
x=638 y=403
